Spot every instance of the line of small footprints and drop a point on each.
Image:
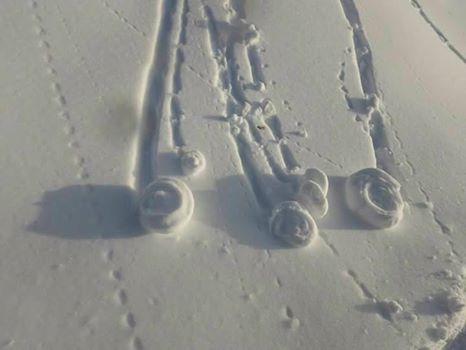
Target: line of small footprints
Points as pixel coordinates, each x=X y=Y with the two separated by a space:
x=120 y=297
x=122 y=18
x=58 y=96
x=289 y=319
x=63 y=112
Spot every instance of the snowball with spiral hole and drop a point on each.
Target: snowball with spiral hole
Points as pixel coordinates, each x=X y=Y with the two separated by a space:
x=192 y=162
x=165 y=205
x=311 y=196
x=293 y=224
x=318 y=176
x=374 y=196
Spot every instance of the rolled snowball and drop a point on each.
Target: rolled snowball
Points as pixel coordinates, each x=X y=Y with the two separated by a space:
x=293 y=224
x=375 y=197
x=192 y=162
x=318 y=176
x=311 y=196
x=166 y=205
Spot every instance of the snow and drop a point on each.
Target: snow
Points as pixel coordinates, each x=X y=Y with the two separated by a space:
x=243 y=121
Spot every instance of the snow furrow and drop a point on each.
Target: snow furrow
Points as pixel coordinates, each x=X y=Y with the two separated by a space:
x=159 y=86
x=257 y=75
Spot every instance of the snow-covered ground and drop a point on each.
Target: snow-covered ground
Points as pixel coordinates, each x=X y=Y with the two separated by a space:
x=236 y=99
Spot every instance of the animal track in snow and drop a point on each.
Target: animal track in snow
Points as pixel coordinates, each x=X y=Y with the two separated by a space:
x=120 y=298
x=290 y=321
x=58 y=95
x=129 y=320
x=63 y=112
x=116 y=275
x=437 y=30
x=122 y=18
x=135 y=344
x=7 y=343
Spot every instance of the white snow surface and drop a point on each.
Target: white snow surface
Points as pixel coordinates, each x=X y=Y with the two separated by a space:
x=100 y=98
